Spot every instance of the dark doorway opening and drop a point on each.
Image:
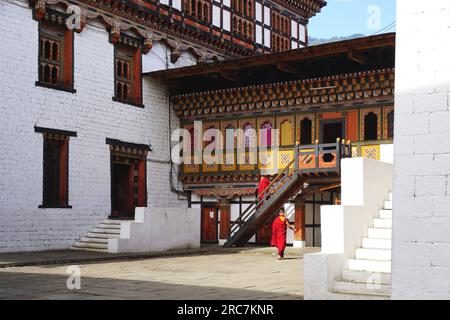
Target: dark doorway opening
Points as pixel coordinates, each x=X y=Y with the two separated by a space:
x=306 y=131
x=331 y=130
x=122 y=191
x=371 y=126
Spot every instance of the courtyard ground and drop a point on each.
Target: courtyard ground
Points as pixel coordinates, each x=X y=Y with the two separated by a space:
x=251 y=273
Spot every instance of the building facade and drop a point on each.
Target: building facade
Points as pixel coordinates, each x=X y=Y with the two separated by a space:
x=88 y=113
x=90 y=136
x=350 y=101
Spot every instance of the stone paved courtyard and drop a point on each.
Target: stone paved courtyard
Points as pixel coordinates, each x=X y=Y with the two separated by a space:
x=198 y=276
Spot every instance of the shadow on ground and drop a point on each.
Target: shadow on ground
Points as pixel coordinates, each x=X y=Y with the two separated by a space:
x=15 y=285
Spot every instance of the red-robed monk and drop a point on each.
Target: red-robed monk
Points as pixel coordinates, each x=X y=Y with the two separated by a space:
x=279 y=230
x=264 y=182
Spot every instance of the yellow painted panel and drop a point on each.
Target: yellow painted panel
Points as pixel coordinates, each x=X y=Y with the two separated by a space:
x=284 y=158
x=287 y=137
x=229 y=163
x=265 y=160
x=247 y=160
x=371 y=152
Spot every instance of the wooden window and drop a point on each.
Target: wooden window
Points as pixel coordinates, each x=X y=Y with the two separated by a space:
x=266 y=134
x=55 y=192
x=229 y=138
x=306 y=131
x=248 y=135
x=55 y=68
x=128 y=85
x=390 y=125
x=287 y=138
x=370 y=126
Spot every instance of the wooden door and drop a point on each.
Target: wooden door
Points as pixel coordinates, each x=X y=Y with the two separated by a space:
x=209 y=224
x=122 y=191
x=264 y=234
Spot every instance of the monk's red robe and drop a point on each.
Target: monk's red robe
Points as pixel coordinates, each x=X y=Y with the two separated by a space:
x=279 y=230
x=263 y=184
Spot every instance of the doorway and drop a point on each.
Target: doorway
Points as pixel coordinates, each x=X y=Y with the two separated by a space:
x=209 y=222
x=264 y=234
x=122 y=197
x=330 y=130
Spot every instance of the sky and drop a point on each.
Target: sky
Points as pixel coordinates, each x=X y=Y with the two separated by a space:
x=347 y=17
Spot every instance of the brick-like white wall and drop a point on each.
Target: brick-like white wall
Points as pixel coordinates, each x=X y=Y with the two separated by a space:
x=91 y=113
x=421 y=225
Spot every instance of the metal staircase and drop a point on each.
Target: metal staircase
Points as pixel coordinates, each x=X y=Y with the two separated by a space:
x=311 y=161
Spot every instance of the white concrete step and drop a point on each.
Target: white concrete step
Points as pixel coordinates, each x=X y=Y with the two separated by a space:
x=366 y=277
x=379 y=233
x=382 y=223
x=106 y=230
x=81 y=244
x=94 y=240
x=107 y=221
x=387 y=205
x=103 y=235
x=373 y=254
x=109 y=225
x=88 y=249
x=369 y=265
x=386 y=214
x=336 y=295
x=361 y=288
x=376 y=243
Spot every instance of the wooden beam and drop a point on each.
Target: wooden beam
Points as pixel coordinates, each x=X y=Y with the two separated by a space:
x=231 y=76
x=304 y=54
x=357 y=57
x=288 y=67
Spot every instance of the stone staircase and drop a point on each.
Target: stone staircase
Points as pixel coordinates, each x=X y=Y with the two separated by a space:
x=97 y=238
x=369 y=273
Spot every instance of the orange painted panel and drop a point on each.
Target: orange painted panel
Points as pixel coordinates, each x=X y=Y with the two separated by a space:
x=331 y=115
x=68 y=59
x=352 y=125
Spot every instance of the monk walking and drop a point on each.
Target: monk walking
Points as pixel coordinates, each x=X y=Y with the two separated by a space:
x=279 y=230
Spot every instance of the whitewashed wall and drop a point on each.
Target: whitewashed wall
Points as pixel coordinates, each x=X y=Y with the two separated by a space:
x=159 y=229
x=91 y=113
x=421 y=220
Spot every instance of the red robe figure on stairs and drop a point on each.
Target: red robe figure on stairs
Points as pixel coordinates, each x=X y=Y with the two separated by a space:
x=279 y=230
x=264 y=182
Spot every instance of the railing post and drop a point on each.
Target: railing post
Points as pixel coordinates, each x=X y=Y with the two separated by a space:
x=349 y=149
x=338 y=154
x=316 y=154
x=296 y=154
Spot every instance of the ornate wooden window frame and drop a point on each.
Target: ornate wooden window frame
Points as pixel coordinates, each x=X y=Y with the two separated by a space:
x=61 y=137
x=280 y=121
x=362 y=114
x=52 y=28
x=128 y=50
x=386 y=111
x=299 y=118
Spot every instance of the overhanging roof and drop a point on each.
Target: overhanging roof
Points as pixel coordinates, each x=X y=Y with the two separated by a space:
x=367 y=53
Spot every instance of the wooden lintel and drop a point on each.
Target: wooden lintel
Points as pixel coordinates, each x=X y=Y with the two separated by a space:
x=357 y=57
x=288 y=67
x=231 y=76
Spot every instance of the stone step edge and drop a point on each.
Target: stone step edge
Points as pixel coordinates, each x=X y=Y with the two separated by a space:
x=357 y=293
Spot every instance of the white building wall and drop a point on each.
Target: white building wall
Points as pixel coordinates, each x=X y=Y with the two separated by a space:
x=421 y=220
x=91 y=113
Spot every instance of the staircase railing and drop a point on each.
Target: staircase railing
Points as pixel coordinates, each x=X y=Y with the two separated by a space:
x=279 y=180
x=307 y=158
